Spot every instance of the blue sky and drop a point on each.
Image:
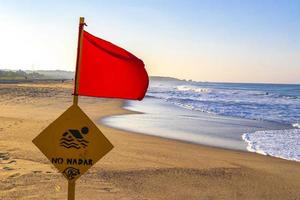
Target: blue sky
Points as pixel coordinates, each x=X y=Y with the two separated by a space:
x=231 y=41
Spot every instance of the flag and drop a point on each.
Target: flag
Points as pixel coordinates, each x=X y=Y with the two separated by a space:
x=109 y=71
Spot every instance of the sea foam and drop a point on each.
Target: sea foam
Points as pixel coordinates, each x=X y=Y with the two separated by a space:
x=278 y=143
x=296 y=125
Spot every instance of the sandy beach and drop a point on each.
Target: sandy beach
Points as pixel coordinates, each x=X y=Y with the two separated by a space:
x=139 y=166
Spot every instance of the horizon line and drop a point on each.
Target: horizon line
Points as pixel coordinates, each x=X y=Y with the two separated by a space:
x=181 y=79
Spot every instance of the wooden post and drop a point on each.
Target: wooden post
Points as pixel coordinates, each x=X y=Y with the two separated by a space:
x=78 y=60
x=71 y=190
x=71 y=184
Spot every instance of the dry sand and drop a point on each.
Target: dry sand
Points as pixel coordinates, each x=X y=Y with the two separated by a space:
x=139 y=167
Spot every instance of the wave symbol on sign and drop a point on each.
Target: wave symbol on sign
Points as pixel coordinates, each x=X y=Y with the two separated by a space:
x=74 y=138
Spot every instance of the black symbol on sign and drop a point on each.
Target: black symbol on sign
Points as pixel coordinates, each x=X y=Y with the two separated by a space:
x=74 y=138
x=71 y=172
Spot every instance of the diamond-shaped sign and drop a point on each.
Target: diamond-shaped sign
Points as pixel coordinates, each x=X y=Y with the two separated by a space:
x=73 y=143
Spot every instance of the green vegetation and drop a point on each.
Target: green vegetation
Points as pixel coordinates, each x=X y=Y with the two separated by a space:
x=19 y=75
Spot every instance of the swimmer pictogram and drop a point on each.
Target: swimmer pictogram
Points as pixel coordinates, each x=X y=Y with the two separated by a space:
x=74 y=138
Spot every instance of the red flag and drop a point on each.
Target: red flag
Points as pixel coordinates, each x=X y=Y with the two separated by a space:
x=107 y=70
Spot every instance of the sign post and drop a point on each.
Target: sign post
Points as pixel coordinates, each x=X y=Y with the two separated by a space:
x=71 y=190
x=71 y=184
x=73 y=143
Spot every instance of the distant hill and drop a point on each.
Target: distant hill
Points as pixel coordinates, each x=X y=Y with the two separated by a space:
x=163 y=78
x=19 y=75
x=55 y=74
x=35 y=75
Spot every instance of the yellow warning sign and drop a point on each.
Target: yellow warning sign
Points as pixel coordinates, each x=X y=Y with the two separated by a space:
x=73 y=143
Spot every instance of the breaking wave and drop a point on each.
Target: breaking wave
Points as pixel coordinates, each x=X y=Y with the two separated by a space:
x=278 y=143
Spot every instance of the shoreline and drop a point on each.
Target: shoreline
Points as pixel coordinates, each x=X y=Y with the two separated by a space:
x=186 y=125
x=100 y=121
x=123 y=111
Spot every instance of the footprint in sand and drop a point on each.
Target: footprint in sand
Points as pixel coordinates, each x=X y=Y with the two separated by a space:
x=14 y=175
x=107 y=189
x=8 y=168
x=3 y=156
x=6 y=162
x=37 y=171
x=12 y=161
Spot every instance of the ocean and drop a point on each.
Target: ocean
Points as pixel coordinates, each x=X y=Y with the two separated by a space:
x=261 y=118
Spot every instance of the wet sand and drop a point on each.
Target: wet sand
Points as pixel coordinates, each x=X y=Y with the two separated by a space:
x=164 y=119
x=139 y=167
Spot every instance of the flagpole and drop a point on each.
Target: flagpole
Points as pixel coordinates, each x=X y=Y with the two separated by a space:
x=78 y=59
x=71 y=184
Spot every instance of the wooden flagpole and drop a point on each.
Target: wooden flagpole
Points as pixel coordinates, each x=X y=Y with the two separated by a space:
x=78 y=59
x=71 y=184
